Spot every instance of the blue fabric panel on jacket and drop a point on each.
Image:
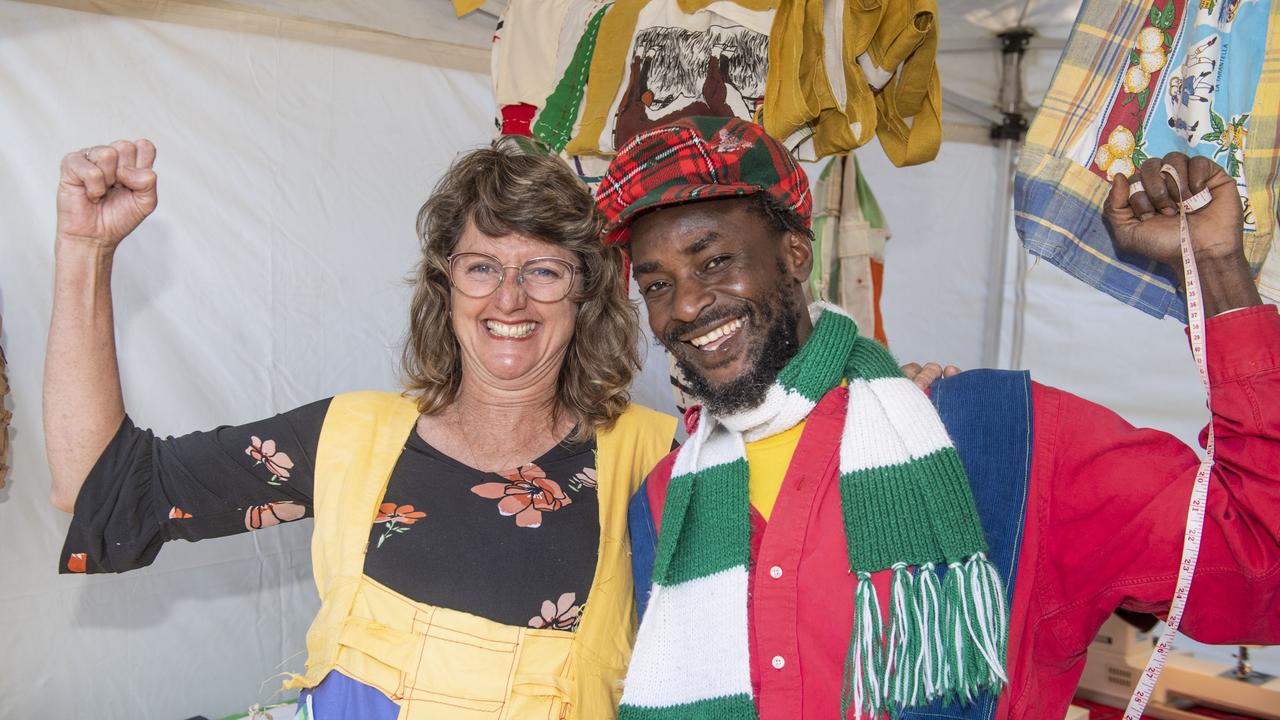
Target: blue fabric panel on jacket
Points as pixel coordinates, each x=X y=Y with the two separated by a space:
x=988 y=415
x=644 y=545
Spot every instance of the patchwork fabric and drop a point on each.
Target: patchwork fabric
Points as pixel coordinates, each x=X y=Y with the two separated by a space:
x=556 y=122
x=1140 y=79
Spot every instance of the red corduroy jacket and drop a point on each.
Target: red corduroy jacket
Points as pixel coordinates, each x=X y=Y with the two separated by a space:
x=1103 y=529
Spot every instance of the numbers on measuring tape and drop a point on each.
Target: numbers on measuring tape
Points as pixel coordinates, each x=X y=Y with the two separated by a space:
x=1200 y=491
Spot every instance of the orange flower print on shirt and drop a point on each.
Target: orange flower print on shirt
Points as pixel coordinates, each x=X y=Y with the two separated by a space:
x=585 y=478
x=398 y=518
x=76 y=562
x=274 y=513
x=177 y=513
x=560 y=615
x=264 y=451
x=527 y=493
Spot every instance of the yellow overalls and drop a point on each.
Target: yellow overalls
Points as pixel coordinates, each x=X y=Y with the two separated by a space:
x=443 y=664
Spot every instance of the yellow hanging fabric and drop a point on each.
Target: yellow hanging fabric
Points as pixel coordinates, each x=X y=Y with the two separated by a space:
x=907 y=40
x=462 y=7
x=841 y=72
x=848 y=119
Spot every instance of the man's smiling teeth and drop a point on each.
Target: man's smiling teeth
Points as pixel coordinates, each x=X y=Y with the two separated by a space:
x=719 y=332
x=518 y=330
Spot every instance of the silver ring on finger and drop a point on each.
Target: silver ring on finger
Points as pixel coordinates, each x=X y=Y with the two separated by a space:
x=1135 y=187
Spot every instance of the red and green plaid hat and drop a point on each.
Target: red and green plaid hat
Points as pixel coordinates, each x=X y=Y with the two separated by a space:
x=697 y=158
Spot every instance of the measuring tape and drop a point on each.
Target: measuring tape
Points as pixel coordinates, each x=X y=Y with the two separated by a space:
x=1200 y=491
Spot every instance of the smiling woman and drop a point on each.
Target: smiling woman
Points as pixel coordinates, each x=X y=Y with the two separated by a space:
x=516 y=205
x=521 y=347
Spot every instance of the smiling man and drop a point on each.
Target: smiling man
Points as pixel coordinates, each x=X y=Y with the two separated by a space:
x=831 y=543
x=731 y=350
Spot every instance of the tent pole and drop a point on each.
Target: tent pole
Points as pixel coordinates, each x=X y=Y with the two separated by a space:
x=1013 y=44
x=1020 y=272
x=998 y=259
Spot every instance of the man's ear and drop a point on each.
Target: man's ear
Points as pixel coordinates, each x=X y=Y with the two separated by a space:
x=797 y=250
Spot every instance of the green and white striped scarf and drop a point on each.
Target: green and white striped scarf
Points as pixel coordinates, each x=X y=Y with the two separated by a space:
x=907 y=507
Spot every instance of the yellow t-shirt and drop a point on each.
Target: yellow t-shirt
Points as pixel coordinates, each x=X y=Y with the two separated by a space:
x=767 y=462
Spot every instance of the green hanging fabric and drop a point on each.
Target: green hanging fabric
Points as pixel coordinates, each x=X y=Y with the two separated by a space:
x=554 y=125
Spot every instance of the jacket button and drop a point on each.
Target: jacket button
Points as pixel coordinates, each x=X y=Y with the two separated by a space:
x=775 y=572
x=778 y=662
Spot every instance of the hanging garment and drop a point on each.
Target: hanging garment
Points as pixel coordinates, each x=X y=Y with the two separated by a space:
x=1262 y=162
x=1139 y=79
x=843 y=72
x=523 y=61
x=668 y=59
x=558 y=119
x=849 y=238
x=540 y=91
x=901 y=63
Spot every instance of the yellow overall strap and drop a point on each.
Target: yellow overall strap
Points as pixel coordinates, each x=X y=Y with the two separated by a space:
x=360 y=442
x=625 y=455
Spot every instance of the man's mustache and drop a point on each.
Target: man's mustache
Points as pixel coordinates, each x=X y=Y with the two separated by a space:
x=709 y=319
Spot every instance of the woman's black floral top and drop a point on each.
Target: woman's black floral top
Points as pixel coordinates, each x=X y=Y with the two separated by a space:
x=518 y=547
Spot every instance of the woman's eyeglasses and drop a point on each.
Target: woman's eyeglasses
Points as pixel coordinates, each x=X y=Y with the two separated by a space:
x=545 y=279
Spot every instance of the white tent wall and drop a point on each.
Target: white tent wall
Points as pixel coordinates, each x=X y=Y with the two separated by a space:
x=293 y=155
x=272 y=275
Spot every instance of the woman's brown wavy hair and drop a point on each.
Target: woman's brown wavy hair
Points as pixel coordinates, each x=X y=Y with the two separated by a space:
x=514 y=186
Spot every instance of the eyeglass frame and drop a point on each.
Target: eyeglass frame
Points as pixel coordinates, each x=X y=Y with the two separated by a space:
x=574 y=270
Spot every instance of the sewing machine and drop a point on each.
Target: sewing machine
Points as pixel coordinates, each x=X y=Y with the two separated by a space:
x=1119 y=653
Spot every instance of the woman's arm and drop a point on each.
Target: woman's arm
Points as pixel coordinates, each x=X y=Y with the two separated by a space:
x=103 y=194
x=144 y=491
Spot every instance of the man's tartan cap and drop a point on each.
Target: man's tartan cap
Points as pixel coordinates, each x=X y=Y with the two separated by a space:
x=697 y=158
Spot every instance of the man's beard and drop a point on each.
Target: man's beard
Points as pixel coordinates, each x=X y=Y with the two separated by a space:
x=764 y=358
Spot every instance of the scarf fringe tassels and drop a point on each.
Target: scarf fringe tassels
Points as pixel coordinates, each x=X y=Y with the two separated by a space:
x=946 y=640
